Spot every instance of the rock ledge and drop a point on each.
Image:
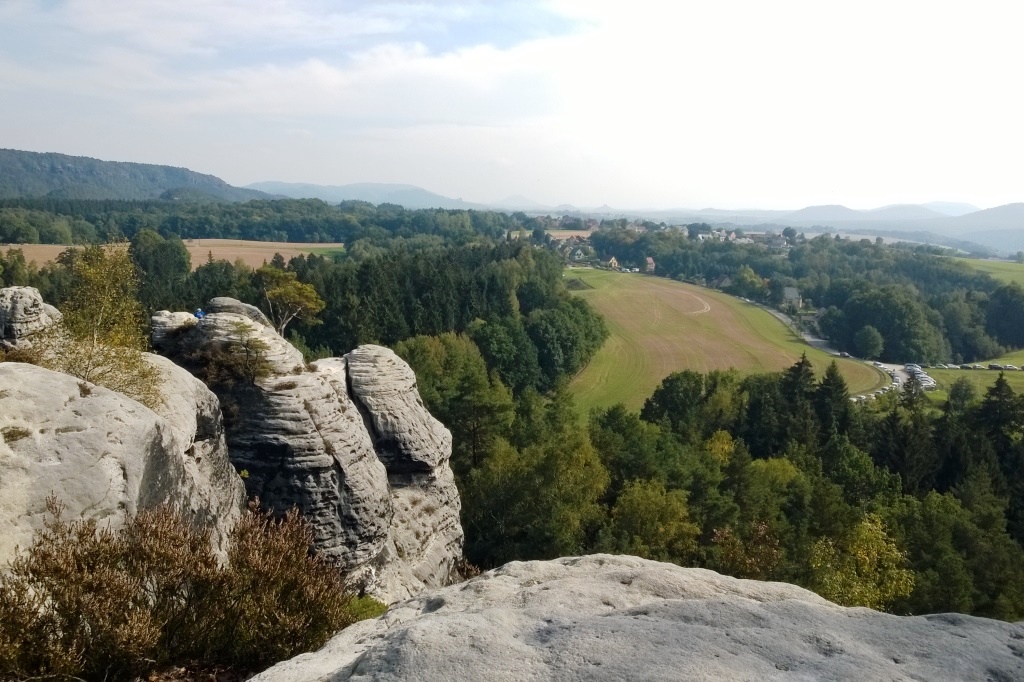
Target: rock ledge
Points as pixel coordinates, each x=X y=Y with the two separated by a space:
x=608 y=617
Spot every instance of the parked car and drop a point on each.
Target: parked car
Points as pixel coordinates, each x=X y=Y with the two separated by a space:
x=966 y=367
x=1012 y=367
x=995 y=366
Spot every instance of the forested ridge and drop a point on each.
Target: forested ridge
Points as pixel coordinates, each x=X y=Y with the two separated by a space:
x=923 y=306
x=61 y=176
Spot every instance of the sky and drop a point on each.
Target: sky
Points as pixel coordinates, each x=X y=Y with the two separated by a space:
x=636 y=104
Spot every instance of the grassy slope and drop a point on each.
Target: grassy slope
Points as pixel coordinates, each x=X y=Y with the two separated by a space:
x=659 y=326
x=1004 y=271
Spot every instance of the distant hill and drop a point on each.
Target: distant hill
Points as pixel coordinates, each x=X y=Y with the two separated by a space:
x=32 y=175
x=1008 y=217
x=409 y=196
x=902 y=212
x=818 y=214
x=951 y=207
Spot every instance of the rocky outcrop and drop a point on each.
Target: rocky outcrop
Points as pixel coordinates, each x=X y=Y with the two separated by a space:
x=224 y=304
x=22 y=314
x=614 y=617
x=347 y=440
x=103 y=454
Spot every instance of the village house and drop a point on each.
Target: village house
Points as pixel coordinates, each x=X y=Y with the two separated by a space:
x=649 y=265
x=613 y=263
x=791 y=296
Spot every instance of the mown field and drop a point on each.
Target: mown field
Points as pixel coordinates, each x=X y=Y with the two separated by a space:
x=1002 y=270
x=659 y=326
x=254 y=253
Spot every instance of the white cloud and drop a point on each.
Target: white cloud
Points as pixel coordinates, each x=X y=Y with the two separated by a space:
x=644 y=103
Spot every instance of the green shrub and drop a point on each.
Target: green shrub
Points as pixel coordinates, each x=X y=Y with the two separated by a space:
x=91 y=603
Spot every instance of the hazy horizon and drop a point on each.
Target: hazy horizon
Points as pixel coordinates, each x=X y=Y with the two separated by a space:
x=648 y=106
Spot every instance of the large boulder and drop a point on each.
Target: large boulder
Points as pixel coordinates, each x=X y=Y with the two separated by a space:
x=23 y=313
x=103 y=454
x=347 y=440
x=608 y=617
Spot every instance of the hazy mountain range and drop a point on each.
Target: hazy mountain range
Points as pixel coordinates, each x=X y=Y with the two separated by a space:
x=31 y=174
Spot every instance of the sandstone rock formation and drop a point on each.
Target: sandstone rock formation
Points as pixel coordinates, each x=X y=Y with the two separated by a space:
x=348 y=440
x=22 y=314
x=103 y=454
x=613 y=618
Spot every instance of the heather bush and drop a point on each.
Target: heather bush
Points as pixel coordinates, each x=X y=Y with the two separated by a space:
x=85 y=602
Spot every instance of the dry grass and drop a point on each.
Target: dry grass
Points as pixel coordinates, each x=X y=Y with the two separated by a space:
x=254 y=253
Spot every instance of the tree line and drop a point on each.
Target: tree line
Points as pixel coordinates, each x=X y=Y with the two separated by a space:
x=63 y=221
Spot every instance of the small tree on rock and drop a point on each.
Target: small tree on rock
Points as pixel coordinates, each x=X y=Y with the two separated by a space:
x=287 y=298
x=101 y=338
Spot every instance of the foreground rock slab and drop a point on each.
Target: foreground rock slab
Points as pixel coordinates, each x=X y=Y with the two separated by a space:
x=608 y=617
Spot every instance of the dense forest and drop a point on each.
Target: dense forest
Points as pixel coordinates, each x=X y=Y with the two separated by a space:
x=507 y=295
x=916 y=305
x=892 y=505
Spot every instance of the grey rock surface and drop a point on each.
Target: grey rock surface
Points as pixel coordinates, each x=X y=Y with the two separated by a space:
x=408 y=436
x=225 y=304
x=22 y=314
x=368 y=467
x=608 y=617
x=103 y=454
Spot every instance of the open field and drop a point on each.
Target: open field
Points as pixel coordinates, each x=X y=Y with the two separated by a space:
x=252 y=252
x=981 y=379
x=659 y=326
x=1003 y=270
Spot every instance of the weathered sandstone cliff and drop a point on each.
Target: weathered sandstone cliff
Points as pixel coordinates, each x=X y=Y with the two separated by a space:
x=347 y=440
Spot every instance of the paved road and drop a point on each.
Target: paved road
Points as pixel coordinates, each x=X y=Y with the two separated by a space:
x=822 y=344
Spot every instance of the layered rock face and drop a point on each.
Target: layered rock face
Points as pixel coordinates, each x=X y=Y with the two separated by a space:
x=347 y=440
x=22 y=314
x=614 y=617
x=103 y=454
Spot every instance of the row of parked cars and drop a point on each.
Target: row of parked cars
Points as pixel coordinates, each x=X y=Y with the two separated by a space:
x=880 y=392
x=927 y=383
x=993 y=365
